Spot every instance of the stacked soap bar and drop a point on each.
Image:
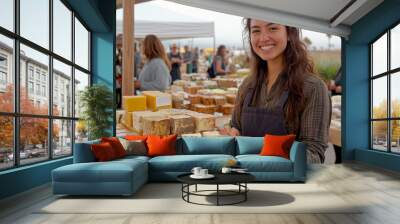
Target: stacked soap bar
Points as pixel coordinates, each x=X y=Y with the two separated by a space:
x=157 y=100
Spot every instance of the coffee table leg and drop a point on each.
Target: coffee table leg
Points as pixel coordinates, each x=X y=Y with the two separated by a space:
x=217 y=194
x=245 y=191
x=196 y=188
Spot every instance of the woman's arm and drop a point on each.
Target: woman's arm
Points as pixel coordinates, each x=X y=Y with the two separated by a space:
x=315 y=121
x=218 y=66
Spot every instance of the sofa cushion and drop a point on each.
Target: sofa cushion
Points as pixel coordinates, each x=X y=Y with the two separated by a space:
x=161 y=145
x=249 y=145
x=116 y=145
x=208 y=145
x=185 y=163
x=257 y=163
x=277 y=145
x=112 y=171
x=103 y=152
x=134 y=147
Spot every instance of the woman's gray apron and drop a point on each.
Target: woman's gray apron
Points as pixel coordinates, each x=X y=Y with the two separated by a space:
x=257 y=122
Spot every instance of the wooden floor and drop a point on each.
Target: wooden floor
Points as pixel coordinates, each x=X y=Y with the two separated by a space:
x=377 y=188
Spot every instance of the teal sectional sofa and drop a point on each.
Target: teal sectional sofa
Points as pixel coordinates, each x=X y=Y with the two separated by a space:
x=125 y=176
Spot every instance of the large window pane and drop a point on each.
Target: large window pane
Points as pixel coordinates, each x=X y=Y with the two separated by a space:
x=62 y=89
x=379 y=97
x=62 y=29
x=395 y=47
x=6 y=142
x=6 y=74
x=62 y=138
x=35 y=21
x=33 y=139
x=379 y=135
x=81 y=45
x=7 y=14
x=395 y=95
x=34 y=82
x=379 y=55
x=81 y=81
x=395 y=136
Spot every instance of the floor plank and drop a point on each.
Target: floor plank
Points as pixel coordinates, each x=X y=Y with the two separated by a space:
x=377 y=190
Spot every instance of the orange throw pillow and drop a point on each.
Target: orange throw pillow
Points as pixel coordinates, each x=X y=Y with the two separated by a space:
x=103 y=152
x=161 y=145
x=277 y=145
x=116 y=145
x=135 y=137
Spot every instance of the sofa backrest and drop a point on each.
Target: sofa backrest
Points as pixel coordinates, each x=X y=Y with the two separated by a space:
x=249 y=145
x=83 y=152
x=206 y=145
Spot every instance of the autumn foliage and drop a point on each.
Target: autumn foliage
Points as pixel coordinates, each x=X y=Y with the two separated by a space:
x=33 y=131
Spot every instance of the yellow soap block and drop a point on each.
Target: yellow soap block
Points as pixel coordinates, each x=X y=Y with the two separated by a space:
x=157 y=100
x=134 y=103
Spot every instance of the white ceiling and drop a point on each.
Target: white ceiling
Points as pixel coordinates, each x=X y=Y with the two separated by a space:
x=327 y=16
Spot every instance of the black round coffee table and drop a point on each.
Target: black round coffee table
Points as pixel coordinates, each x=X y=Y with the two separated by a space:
x=238 y=179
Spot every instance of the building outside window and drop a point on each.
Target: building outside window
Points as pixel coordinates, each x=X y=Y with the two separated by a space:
x=30 y=72
x=34 y=56
x=30 y=87
x=3 y=72
x=385 y=96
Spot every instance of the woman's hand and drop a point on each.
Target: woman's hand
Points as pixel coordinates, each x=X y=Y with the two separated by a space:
x=137 y=84
x=234 y=132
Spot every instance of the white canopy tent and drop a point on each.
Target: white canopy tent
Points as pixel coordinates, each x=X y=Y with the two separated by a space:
x=327 y=16
x=171 y=30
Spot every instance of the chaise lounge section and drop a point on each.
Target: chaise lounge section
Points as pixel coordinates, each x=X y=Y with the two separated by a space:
x=125 y=176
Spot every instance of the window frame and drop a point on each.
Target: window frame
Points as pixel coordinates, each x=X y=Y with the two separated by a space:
x=16 y=114
x=388 y=74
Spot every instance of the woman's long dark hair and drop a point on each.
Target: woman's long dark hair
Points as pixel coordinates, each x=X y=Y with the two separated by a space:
x=297 y=65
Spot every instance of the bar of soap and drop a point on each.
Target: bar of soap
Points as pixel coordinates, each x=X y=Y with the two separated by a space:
x=227 y=109
x=159 y=125
x=204 y=122
x=120 y=115
x=211 y=134
x=128 y=119
x=134 y=103
x=207 y=100
x=207 y=109
x=137 y=119
x=182 y=124
x=191 y=89
x=195 y=99
x=231 y=98
x=157 y=100
x=220 y=100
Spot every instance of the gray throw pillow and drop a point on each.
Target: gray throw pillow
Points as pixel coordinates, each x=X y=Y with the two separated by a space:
x=134 y=147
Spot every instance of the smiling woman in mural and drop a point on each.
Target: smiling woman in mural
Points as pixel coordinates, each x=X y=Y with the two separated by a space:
x=282 y=95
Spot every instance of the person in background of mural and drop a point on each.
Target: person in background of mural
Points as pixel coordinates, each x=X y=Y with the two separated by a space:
x=155 y=73
x=195 y=60
x=176 y=61
x=118 y=71
x=218 y=66
x=138 y=61
x=282 y=95
x=187 y=59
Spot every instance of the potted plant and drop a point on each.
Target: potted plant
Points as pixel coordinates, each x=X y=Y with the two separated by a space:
x=96 y=103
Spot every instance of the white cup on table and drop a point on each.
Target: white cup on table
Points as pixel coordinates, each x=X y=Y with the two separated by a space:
x=203 y=172
x=196 y=171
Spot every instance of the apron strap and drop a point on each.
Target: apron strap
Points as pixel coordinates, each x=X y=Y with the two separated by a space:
x=283 y=99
